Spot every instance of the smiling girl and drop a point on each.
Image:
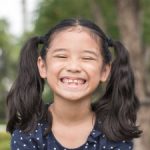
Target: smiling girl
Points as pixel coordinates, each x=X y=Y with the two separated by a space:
x=74 y=60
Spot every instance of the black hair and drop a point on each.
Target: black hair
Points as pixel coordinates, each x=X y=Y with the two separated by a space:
x=116 y=109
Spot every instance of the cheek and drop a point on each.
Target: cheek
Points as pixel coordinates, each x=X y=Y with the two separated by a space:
x=53 y=68
x=93 y=70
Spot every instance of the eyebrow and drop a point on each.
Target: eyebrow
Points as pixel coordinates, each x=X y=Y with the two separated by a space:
x=58 y=50
x=84 y=51
x=90 y=52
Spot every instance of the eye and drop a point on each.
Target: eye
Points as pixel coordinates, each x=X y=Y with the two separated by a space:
x=60 y=56
x=88 y=58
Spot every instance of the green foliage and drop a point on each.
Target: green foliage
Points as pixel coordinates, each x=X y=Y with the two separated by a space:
x=4 y=141
x=3 y=31
x=7 y=63
x=145 y=17
x=47 y=94
x=52 y=11
x=109 y=14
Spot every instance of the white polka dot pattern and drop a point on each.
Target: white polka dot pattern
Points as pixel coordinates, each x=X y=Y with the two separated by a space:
x=37 y=141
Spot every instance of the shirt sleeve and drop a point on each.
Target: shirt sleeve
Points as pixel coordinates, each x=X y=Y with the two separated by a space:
x=21 y=141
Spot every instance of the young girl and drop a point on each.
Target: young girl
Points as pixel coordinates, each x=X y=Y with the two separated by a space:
x=74 y=60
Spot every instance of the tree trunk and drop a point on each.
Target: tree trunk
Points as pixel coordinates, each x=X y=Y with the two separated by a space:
x=143 y=143
x=130 y=29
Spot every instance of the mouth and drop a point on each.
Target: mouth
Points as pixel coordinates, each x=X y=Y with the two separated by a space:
x=71 y=82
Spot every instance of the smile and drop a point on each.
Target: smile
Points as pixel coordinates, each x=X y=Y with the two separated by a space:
x=73 y=82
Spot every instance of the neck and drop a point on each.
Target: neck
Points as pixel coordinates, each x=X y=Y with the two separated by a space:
x=71 y=112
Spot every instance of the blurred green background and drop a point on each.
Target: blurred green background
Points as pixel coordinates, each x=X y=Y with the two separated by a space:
x=126 y=20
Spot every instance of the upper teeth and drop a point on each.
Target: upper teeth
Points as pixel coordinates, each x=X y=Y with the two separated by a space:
x=73 y=81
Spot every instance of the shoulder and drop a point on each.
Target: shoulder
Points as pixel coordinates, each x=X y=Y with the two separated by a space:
x=121 y=145
x=107 y=144
x=97 y=136
x=34 y=139
x=116 y=145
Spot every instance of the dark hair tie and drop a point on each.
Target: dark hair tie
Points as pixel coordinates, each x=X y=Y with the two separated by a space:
x=109 y=42
x=40 y=39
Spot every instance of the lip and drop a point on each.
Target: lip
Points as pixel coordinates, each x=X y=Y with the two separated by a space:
x=73 y=87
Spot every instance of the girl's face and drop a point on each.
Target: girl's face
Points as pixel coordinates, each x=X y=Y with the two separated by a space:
x=74 y=65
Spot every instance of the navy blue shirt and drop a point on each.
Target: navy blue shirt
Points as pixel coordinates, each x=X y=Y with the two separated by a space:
x=37 y=141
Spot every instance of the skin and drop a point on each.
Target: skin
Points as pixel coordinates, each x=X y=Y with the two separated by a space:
x=73 y=54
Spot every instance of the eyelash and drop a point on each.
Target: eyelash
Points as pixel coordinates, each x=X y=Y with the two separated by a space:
x=59 y=56
x=88 y=58
x=83 y=58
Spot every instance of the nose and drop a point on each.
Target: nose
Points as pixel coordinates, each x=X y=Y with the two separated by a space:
x=73 y=66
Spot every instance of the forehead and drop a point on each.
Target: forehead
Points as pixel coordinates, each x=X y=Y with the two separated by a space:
x=78 y=31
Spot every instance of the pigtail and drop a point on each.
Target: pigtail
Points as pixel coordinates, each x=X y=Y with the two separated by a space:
x=24 y=100
x=118 y=107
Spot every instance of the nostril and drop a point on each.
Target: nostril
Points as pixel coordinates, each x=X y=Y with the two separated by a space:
x=73 y=70
x=73 y=67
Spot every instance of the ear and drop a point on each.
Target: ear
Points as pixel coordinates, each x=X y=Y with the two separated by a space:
x=105 y=72
x=42 y=67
